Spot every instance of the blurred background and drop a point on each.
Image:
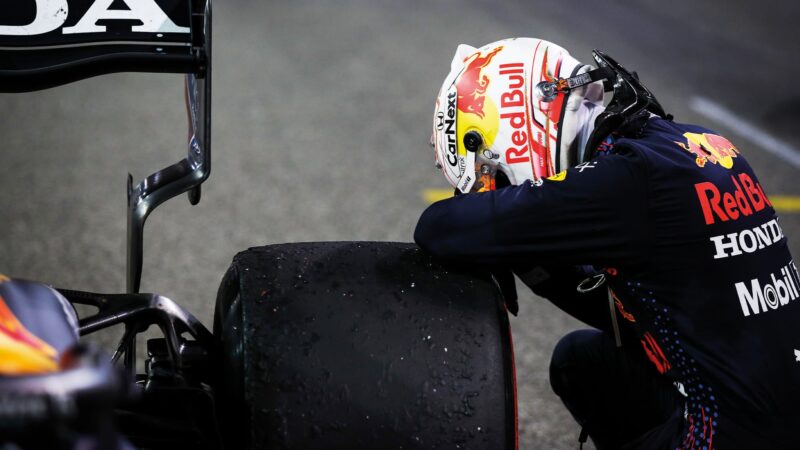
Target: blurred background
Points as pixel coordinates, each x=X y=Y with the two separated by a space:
x=322 y=113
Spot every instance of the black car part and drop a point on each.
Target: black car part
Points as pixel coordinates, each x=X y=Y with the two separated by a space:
x=176 y=402
x=38 y=61
x=631 y=101
x=58 y=410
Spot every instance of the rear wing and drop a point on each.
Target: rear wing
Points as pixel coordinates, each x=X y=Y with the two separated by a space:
x=46 y=43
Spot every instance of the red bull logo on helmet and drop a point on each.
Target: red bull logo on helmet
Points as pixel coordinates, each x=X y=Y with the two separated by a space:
x=473 y=83
x=711 y=148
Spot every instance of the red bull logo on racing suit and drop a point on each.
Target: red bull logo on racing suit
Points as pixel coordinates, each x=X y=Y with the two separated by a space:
x=711 y=148
x=746 y=199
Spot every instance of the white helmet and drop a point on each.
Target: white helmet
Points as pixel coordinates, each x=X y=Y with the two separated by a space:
x=490 y=114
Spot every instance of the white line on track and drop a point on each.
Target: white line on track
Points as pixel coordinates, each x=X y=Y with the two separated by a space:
x=745 y=129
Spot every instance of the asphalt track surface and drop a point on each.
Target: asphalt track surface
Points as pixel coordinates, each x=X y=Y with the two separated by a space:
x=321 y=122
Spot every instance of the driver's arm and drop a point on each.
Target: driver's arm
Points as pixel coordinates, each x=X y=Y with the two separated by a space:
x=597 y=215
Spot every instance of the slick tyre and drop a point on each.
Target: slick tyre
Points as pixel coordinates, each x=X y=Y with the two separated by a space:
x=362 y=345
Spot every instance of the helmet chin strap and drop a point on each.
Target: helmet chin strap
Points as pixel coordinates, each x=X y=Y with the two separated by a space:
x=547 y=91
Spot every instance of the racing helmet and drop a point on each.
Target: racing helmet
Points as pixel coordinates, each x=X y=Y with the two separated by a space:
x=515 y=107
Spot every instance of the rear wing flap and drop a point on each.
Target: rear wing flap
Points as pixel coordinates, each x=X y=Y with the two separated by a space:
x=47 y=43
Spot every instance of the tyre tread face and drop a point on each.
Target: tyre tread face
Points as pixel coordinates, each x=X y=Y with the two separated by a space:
x=368 y=345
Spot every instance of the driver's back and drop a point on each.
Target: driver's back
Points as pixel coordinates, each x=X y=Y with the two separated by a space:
x=717 y=299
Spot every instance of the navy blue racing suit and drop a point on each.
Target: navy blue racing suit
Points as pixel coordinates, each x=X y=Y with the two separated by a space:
x=705 y=289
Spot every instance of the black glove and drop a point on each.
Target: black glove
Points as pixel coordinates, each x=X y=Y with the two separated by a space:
x=505 y=281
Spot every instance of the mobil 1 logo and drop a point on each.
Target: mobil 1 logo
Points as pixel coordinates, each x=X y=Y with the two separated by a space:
x=763 y=294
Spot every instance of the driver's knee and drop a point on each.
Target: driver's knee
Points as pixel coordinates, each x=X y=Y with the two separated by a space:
x=574 y=351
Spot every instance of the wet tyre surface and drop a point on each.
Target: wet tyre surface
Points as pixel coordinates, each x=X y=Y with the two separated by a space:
x=364 y=346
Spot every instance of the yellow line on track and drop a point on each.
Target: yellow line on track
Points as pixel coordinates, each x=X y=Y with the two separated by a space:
x=434 y=195
x=785 y=203
x=782 y=203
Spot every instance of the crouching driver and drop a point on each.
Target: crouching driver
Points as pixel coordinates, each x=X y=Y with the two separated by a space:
x=655 y=233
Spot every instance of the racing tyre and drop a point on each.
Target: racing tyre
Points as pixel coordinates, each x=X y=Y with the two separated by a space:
x=362 y=345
